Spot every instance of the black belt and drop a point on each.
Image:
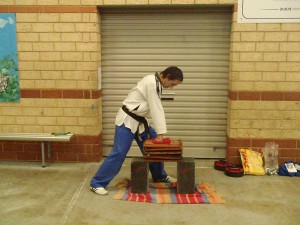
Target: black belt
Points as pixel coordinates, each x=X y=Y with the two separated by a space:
x=139 y=119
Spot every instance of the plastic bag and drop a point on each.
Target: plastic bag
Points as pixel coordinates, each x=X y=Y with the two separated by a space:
x=252 y=162
x=270 y=152
x=289 y=168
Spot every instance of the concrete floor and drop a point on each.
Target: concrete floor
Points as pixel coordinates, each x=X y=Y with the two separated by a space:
x=59 y=195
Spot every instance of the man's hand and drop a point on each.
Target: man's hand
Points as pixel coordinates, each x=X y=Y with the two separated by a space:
x=160 y=137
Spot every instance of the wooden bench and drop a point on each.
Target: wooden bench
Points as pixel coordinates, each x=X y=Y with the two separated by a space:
x=42 y=137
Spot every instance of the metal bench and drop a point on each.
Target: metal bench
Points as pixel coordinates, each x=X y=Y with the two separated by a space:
x=42 y=137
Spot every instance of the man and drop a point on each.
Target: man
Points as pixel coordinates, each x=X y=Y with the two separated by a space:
x=142 y=101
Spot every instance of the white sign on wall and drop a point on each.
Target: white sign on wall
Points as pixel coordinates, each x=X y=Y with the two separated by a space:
x=268 y=11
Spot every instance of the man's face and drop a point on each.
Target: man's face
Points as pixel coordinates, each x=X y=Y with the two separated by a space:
x=166 y=83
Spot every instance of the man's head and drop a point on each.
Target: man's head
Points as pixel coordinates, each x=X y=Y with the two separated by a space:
x=171 y=77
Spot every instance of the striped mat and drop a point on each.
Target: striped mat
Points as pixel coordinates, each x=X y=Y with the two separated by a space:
x=165 y=193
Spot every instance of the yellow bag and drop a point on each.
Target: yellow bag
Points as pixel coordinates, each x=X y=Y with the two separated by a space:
x=252 y=162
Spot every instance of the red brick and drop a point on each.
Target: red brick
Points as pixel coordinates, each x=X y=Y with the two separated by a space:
x=88 y=9
x=286 y=143
x=33 y=147
x=249 y=95
x=242 y=143
x=75 y=148
x=96 y=94
x=260 y=142
x=89 y=157
x=4 y=9
x=287 y=152
x=8 y=156
x=272 y=96
x=67 y=157
x=87 y=94
x=19 y=9
x=85 y=139
x=61 y=9
x=93 y=149
x=27 y=156
x=292 y=96
x=73 y=94
x=232 y=95
x=35 y=9
x=51 y=93
x=30 y=94
x=13 y=147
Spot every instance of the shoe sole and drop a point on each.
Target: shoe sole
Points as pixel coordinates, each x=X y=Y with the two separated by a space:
x=93 y=190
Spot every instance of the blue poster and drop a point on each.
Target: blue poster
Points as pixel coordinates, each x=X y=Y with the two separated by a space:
x=9 y=74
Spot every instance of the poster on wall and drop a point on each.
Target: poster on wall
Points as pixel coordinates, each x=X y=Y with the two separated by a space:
x=9 y=74
x=268 y=11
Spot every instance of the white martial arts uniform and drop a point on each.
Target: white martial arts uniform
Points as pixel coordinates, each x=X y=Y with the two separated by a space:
x=145 y=98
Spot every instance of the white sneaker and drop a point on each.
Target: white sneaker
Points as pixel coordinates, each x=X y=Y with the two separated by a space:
x=99 y=190
x=168 y=179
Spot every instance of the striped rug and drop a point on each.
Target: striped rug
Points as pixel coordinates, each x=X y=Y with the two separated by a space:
x=165 y=193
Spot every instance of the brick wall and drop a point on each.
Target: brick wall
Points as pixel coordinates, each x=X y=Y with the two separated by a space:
x=264 y=92
x=59 y=55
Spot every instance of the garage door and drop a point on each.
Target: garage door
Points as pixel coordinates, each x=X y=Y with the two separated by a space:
x=135 y=44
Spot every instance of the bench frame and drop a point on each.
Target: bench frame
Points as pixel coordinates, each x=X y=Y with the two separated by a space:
x=42 y=137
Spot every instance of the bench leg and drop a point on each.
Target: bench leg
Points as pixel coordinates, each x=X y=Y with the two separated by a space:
x=139 y=176
x=186 y=176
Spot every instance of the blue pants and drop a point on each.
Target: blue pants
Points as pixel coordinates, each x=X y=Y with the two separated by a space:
x=113 y=163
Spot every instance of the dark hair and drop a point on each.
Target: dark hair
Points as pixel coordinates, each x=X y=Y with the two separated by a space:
x=173 y=73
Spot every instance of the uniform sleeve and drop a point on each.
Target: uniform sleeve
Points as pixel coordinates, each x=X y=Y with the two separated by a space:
x=156 y=109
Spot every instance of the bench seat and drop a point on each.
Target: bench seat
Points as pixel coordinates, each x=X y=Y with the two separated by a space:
x=42 y=137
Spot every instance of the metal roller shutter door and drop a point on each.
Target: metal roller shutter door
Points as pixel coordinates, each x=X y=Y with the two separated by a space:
x=134 y=45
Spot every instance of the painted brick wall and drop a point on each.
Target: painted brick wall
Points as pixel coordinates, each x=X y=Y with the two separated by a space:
x=59 y=53
x=264 y=92
x=59 y=56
